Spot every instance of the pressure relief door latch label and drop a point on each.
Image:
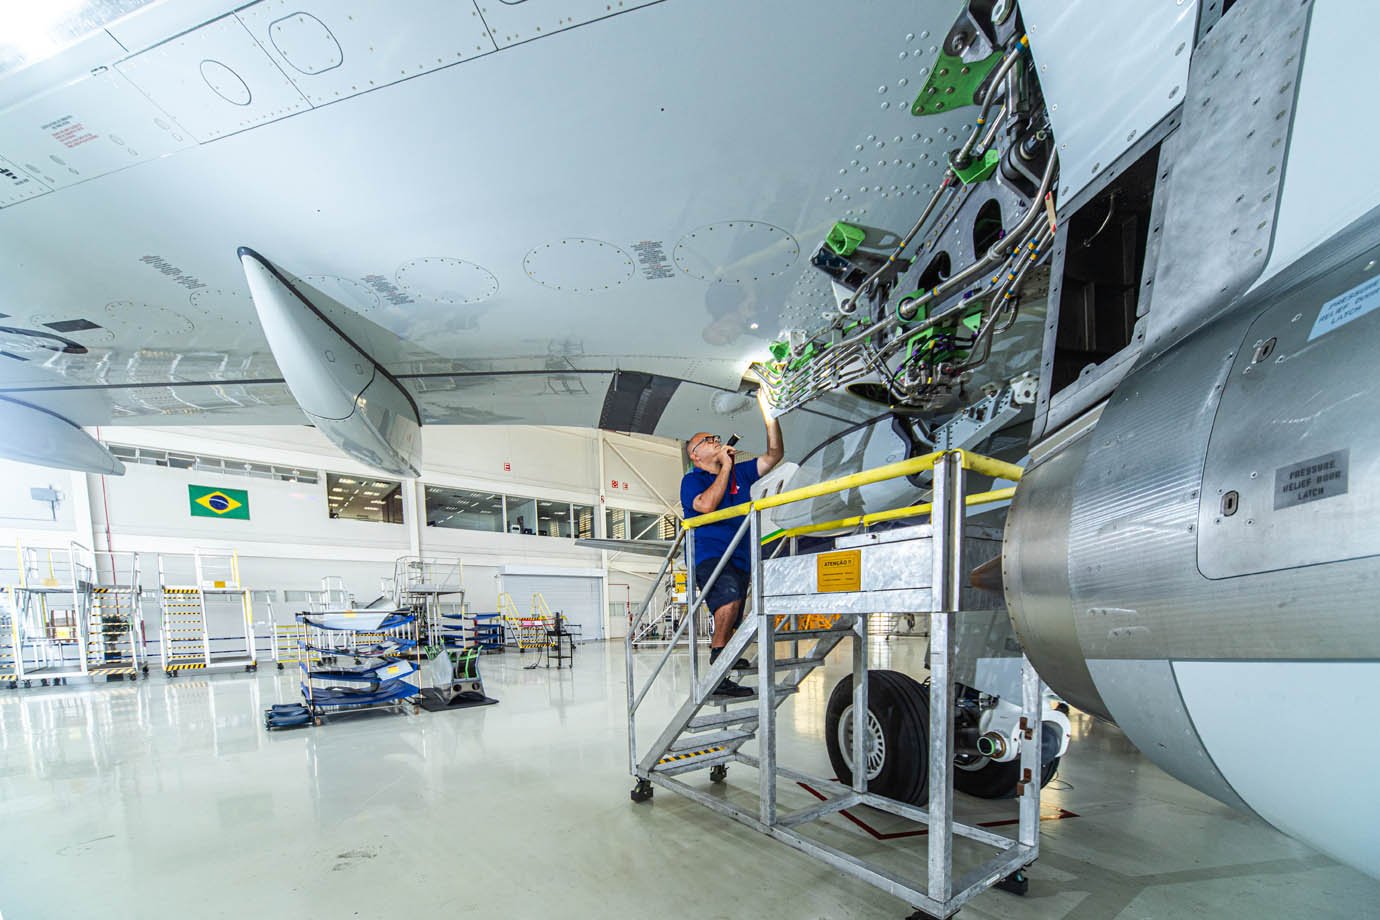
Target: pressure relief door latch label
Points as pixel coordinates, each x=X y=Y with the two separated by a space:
x=841 y=571
x=1312 y=480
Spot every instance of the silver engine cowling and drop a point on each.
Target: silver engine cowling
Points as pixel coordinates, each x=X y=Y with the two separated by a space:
x=1201 y=563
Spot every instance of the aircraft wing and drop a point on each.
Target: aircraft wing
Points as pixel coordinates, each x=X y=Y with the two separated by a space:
x=639 y=547
x=546 y=212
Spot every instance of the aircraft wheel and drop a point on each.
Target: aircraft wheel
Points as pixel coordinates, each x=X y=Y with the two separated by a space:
x=898 y=735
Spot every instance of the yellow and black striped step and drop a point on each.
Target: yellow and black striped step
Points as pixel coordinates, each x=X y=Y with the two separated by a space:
x=688 y=755
x=192 y=666
x=122 y=670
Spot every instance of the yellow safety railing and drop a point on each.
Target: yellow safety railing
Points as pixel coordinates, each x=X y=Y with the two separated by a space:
x=977 y=463
x=895 y=514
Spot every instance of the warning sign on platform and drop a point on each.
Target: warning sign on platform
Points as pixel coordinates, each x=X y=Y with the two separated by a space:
x=841 y=571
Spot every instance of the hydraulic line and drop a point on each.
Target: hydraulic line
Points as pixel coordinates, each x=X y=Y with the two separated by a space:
x=996 y=254
x=1010 y=297
x=1013 y=52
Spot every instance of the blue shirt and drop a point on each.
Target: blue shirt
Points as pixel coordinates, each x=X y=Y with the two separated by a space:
x=712 y=540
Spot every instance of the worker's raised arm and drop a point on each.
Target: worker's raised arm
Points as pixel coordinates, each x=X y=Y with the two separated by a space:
x=709 y=499
x=776 y=446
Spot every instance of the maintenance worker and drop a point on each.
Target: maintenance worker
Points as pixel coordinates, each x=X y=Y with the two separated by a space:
x=718 y=481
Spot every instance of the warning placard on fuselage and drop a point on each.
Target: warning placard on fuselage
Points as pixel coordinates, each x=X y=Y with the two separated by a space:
x=1311 y=480
x=840 y=571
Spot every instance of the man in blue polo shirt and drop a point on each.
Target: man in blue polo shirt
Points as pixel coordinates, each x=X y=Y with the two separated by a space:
x=719 y=481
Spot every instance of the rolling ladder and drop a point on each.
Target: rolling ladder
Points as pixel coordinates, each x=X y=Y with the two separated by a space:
x=187 y=609
x=112 y=635
x=818 y=600
x=7 y=643
x=186 y=646
x=115 y=624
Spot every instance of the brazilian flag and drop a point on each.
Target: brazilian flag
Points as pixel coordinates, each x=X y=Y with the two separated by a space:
x=219 y=503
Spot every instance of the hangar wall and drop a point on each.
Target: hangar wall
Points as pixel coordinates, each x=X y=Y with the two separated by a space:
x=290 y=541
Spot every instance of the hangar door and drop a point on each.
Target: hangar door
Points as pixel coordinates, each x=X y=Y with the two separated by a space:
x=576 y=597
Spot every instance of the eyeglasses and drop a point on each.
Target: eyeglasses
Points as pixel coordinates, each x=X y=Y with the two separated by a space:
x=712 y=438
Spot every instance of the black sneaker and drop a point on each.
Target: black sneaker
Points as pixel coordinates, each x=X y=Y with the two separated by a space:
x=730 y=688
x=742 y=664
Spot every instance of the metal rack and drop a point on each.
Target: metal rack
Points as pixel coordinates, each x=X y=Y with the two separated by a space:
x=658 y=628
x=432 y=587
x=361 y=655
x=912 y=570
x=193 y=590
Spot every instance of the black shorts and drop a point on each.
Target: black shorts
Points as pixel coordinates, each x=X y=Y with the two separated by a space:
x=730 y=586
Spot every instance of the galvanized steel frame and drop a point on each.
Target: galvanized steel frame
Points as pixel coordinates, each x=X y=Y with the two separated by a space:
x=940 y=894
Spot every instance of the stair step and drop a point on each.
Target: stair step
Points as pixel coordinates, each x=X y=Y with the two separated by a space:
x=719 y=720
x=789 y=634
x=688 y=764
x=783 y=664
x=736 y=700
x=714 y=739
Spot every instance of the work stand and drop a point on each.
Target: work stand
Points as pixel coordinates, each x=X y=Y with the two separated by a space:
x=815 y=602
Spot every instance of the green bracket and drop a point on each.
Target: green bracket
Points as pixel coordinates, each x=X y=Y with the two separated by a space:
x=973 y=321
x=780 y=350
x=920 y=314
x=979 y=170
x=952 y=84
x=804 y=357
x=919 y=341
x=844 y=239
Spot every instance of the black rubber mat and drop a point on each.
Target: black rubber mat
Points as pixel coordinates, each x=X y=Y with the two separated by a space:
x=431 y=701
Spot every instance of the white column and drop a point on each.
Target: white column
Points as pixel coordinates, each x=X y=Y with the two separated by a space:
x=83 y=524
x=600 y=530
x=414 y=513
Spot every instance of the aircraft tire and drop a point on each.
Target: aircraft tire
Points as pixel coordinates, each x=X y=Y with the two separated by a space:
x=900 y=708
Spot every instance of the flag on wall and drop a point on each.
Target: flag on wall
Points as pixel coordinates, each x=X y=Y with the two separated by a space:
x=219 y=503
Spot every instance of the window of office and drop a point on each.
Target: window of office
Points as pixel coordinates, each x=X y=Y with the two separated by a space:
x=219 y=465
x=364 y=498
x=462 y=509
x=644 y=526
x=583 y=518
x=522 y=514
x=553 y=519
x=616 y=524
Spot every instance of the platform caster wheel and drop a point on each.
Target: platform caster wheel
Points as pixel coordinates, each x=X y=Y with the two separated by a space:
x=1016 y=883
x=43 y=682
x=642 y=792
x=718 y=773
x=28 y=684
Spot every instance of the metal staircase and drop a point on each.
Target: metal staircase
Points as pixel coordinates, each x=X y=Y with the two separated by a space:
x=812 y=601
x=114 y=631
x=112 y=644
x=692 y=741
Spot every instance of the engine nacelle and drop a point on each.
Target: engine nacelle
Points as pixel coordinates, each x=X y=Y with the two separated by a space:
x=1199 y=563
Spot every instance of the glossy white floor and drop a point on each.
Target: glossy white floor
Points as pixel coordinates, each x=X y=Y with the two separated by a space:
x=168 y=799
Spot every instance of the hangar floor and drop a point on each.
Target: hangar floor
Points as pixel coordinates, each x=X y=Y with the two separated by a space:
x=168 y=799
